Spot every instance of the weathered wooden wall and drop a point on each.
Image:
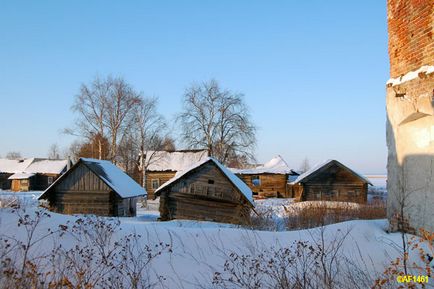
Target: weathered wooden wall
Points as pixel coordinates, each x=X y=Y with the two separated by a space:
x=332 y=184
x=83 y=192
x=41 y=181
x=5 y=184
x=205 y=194
x=272 y=185
x=161 y=176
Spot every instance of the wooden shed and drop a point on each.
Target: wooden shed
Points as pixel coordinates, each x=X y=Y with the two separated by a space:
x=269 y=179
x=330 y=181
x=9 y=168
x=38 y=175
x=94 y=187
x=163 y=165
x=206 y=191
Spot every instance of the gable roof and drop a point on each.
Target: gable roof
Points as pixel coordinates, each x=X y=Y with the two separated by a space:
x=21 y=176
x=174 y=161
x=44 y=166
x=237 y=182
x=33 y=166
x=14 y=166
x=276 y=165
x=303 y=177
x=111 y=175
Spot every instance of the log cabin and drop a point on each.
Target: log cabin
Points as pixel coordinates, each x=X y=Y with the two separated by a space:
x=10 y=167
x=269 y=179
x=163 y=165
x=206 y=191
x=32 y=174
x=94 y=187
x=330 y=181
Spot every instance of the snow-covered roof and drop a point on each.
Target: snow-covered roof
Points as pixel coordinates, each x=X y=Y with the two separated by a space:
x=43 y=166
x=33 y=165
x=237 y=182
x=276 y=165
x=14 y=166
x=21 y=176
x=115 y=178
x=319 y=166
x=174 y=161
x=110 y=174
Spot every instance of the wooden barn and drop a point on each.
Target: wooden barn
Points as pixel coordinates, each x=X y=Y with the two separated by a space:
x=94 y=187
x=330 y=181
x=206 y=191
x=10 y=167
x=269 y=179
x=163 y=165
x=39 y=175
x=34 y=174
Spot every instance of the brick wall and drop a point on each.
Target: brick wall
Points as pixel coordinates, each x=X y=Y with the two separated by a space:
x=411 y=35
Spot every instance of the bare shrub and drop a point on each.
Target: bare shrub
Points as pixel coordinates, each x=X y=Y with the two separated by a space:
x=317 y=214
x=402 y=268
x=96 y=259
x=264 y=218
x=9 y=202
x=320 y=263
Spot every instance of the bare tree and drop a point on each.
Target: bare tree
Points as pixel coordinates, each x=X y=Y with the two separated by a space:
x=54 y=152
x=119 y=114
x=105 y=111
x=218 y=120
x=149 y=137
x=305 y=165
x=13 y=155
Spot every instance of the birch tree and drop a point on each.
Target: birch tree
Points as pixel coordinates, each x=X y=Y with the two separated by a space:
x=105 y=110
x=217 y=119
x=150 y=134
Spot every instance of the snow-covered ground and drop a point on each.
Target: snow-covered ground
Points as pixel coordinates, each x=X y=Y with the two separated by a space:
x=201 y=248
x=198 y=249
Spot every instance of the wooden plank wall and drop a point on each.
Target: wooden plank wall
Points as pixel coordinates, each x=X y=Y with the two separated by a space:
x=5 y=184
x=335 y=184
x=81 y=191
x=161 y=176
x=272 y=185
x=204 y=195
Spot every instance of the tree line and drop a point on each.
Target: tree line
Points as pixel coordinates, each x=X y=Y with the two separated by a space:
x=116 y=122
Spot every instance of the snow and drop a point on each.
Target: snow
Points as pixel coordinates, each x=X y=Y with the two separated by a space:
x=201 y=248
x=115 y=178
x=29 y=198
x=14 y=166
x=276 y=165
x=241 y=186
x=21 y=176
x=321 y=165
x=47 y=166
x=33 y=165
x=410 y=75
x=173 y=161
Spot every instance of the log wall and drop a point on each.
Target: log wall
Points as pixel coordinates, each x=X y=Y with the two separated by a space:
x=154 y=175
x=205 y=194
x=271 y=185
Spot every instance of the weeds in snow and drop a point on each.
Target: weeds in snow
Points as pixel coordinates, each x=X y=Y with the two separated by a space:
x=96 y=259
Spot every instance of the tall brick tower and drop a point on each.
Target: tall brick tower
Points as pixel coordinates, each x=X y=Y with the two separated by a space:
x=410 y=114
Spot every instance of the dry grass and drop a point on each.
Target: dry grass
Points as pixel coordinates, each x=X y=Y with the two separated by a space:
x=316 y=214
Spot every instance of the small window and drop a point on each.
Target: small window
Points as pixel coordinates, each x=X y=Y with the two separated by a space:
x=211 y=182
x=256 y=181
x=155 y=184
x=50 y=180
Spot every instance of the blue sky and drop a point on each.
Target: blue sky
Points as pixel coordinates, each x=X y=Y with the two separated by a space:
x=313 y=72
